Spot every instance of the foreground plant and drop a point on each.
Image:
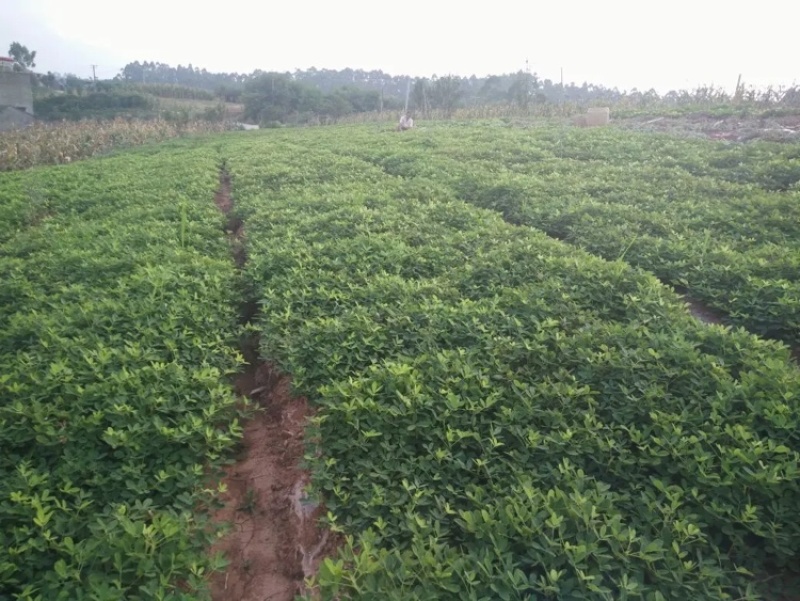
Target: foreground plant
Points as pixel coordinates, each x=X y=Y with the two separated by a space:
x=500 y=415
x=118 y=312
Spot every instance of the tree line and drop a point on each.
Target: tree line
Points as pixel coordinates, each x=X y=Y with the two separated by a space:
x=449 y=91
x=308 y=95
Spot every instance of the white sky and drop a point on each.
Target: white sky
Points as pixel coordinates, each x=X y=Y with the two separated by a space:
x=623 y=43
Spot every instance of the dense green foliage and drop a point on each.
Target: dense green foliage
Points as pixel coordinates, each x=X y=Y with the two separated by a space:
x=721 y=221
x=112 y=99
x=22 y=56
x=151 y=72
x=326 y=95
x=519 y=89
x=117 y=314
x=166 y=90
x=502 y=416
x=94 y=105
x=274 y=98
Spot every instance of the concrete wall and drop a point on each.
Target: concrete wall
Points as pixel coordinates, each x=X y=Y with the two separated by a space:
x=15 y=91
x=11 y=119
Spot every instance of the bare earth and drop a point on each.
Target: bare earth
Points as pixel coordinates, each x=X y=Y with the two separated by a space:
x=274 y=544
x=732 y=129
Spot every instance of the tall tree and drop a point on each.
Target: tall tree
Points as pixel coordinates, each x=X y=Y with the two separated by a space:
x=492 y=90
x=276 y=97
x=522 y=89
x=22 y=55
x=446 y=93
x=420 y=96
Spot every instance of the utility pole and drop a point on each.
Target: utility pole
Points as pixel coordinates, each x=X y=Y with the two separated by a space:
x=94 y=73
x=527 y=90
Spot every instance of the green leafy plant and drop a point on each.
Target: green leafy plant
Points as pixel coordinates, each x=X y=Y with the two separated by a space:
x=501 y=415
x=118 y=306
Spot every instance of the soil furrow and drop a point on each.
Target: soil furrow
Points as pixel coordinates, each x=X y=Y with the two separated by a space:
x=272 y=547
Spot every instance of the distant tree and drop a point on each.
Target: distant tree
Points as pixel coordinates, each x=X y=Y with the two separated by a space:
x=522 y=89
x=791 y=96
x=228 y=93
x=50 y=80
x=370 y=90
x=74 y=84
x=335 y=106
x=492 y=90
x=360 y=100
x=446 y=93
x=22 y=55
x=420 y=95
x=273 y=97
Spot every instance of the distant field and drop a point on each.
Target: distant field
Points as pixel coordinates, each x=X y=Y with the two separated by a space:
x=195 y=107
x=134 y=102
x=510 y=402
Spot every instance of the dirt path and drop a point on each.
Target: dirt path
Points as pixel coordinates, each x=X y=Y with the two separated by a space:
x=707 y=315
x=274 y=543
x=701 y=311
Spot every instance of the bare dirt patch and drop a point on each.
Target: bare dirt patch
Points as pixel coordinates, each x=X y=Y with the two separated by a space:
x=275 y=542
x=234 y=227
x=785 y=128
x=702 y=312
x=222 y=198
x=707 y=315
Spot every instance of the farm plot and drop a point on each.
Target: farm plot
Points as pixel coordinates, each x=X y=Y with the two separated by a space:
x=719 y=221
x=500 y=415
x=117 y=318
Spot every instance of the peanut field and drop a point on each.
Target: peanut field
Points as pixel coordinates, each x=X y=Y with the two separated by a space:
x=512 y=399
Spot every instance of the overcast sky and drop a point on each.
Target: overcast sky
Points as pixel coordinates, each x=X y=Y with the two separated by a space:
x=622 y=43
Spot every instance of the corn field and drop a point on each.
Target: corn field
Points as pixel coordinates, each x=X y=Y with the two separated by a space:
x=55 y=144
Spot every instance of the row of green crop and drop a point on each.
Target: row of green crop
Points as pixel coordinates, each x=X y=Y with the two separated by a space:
x=502 y=416
x=117 y=318
x=720 y=221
